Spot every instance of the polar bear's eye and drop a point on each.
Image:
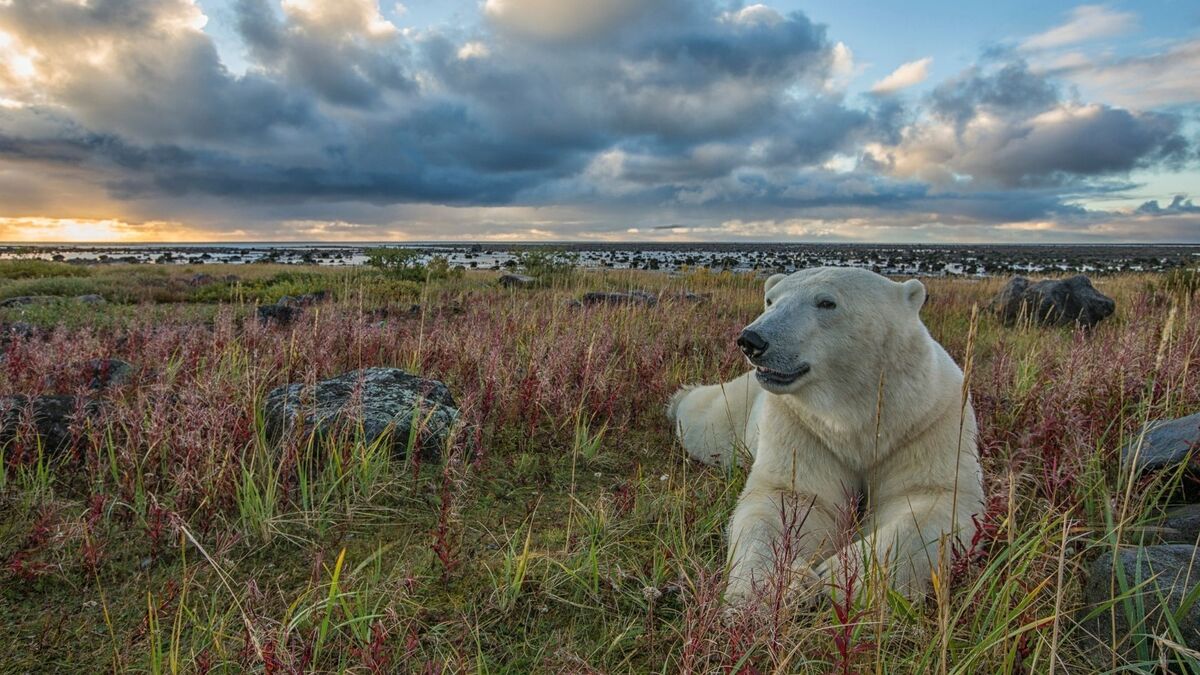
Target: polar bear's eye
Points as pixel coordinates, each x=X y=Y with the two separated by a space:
x=826 y=304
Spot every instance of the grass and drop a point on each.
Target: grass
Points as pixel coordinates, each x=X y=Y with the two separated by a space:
x=563 y=531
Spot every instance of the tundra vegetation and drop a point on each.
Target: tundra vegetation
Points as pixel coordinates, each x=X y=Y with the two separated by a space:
x=562 y=530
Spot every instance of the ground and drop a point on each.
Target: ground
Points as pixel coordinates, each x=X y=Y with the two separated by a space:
x=566 y=532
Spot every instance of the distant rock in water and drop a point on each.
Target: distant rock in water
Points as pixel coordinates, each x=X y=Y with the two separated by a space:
x=1163 y=444
x=617 y=298
x=511 y=280
x=51 y=418
x=377 y=401
x=1164 y=575
x=278 y=314
x=1053 y=302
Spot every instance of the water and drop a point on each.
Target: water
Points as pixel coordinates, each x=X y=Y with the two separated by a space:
x=895 y=259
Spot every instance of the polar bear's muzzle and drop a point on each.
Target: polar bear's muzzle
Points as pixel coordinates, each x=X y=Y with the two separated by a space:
x=774 y=378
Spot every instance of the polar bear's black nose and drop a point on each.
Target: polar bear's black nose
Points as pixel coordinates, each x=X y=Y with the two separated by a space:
x=752 y=344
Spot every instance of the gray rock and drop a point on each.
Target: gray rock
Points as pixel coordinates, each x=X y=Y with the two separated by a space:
x=1181 y=525
x=512 y=280
x=106 y=373
x=52 y=418
x=201 y=280
x=1163 y=444
x=616 y=298
x=278 y=314
x=23 y=300
x=91 y=299
x=1167 y=574
x=1053 y=302
x=380 y=401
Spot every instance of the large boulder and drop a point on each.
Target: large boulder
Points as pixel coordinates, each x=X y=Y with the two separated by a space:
x=1163 y=444
x=1053 y=302
x=1164 y=576
x=95 y=374
x=381 y=402
x=51 y=418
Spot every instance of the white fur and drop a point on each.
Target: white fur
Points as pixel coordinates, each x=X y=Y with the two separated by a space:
x=878 y=417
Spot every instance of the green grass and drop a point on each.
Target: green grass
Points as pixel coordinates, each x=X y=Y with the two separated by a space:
x=565 y=532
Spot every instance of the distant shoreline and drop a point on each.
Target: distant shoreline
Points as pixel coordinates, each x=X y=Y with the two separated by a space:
x=976 y=260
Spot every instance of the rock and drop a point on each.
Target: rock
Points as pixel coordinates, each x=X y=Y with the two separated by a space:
x=23 y=300
x=91 y=299
x=1053 y=302
x=106 y=373
x=1167 y=573
x=615 y=298
x=1163 y=444
x=1181 y=525
x=52 y=418
x=377 y=400
x=201 y=280
x=278 y=314
x=18 y=330
x=512 y=280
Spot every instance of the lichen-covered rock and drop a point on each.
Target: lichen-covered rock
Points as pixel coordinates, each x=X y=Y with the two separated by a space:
x=1163 y=444
x=51 y=418
x=1053 y=302
x=1165 y=575
x=381 y=402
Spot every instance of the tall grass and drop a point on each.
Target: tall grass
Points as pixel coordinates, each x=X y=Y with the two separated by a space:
x=563 y=531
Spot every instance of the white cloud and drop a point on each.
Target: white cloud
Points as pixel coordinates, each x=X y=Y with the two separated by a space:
x=473 y=50
x=1140 y=82
x=1087 y=22
x=754 y=15
x=907 y=75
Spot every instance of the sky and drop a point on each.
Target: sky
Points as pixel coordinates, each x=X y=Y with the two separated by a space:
x=587 y=120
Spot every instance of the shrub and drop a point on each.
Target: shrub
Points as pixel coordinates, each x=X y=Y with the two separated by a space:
x=37 y=269
x=400 y=263
x=548 y=266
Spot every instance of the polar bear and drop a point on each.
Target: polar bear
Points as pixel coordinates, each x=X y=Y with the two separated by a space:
x=859 y=442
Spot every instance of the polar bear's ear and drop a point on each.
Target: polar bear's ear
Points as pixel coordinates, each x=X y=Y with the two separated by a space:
x=772 y=280
x=914 y=293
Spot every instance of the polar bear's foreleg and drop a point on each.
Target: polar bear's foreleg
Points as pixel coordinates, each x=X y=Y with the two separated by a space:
x=774 y=537
x=903 y=542
x=713 y=422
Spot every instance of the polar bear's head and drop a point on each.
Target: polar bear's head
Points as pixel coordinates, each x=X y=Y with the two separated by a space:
x=824 y=323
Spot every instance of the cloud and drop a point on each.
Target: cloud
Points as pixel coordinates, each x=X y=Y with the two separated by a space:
x=541 y=119
x=1164 y=79
x=1179 y=204
x=563 y=19
x=907 y=75
x=1086 y=23
x=1009 y=127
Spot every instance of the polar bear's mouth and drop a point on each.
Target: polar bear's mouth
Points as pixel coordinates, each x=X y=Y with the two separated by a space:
x=778 y=377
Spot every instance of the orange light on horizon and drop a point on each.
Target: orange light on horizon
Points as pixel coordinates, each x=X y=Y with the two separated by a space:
x=42 y=230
